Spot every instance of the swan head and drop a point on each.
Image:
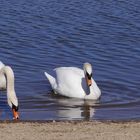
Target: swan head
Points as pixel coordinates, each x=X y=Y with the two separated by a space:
x=15 y=112
x=13 y=103
x=88 y=73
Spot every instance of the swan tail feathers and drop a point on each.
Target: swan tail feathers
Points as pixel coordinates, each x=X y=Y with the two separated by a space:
x=51 y=80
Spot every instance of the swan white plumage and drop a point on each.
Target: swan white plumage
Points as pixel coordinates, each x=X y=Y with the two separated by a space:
x=74 y=82
x=7 y=81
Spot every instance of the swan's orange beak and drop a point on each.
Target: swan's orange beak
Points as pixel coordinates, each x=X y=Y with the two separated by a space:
x=15 y=114
x=89 y=81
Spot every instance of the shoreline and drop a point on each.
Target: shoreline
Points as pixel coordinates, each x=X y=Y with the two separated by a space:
x=69 y=121
x=69 y=130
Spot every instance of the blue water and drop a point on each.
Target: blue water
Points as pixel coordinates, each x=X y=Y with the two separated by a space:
x=40 y=35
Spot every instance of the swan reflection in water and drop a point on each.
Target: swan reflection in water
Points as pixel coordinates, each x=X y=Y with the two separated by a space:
x=76 y=109
x=56 y=107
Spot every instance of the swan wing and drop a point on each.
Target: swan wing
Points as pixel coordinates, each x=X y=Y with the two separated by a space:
x=70 y=80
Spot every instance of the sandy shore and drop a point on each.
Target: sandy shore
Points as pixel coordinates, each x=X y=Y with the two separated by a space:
x=73 y=130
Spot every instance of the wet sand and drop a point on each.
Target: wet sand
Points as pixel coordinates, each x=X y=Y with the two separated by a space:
x=69 y=130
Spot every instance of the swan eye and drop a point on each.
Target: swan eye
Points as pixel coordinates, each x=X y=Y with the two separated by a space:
x=89 y=75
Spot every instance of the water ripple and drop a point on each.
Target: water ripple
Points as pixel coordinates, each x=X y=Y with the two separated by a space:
x=38 y=36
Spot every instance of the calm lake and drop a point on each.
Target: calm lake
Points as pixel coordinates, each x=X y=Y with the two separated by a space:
x=40 y=35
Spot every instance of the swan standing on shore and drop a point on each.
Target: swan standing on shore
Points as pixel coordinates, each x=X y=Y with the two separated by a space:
x=75 y=82
x=7 y=81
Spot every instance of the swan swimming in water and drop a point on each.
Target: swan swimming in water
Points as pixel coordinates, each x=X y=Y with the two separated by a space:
x=7 y=81
x=75 y=82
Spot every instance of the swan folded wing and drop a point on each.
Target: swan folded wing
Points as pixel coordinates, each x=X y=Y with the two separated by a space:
x=69 y=81
x=2 y=77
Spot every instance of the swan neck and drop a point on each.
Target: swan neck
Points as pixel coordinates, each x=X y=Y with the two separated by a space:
x=9 y=74
x=91 y=89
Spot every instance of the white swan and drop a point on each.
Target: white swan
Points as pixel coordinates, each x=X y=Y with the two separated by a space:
x=75 y=82
x=7 y=81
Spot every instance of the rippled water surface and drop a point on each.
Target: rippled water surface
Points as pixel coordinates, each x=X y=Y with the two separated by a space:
x=38 y=36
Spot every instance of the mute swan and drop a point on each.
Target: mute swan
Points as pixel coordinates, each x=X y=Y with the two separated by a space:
x=7 y=80
x=75 y=82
